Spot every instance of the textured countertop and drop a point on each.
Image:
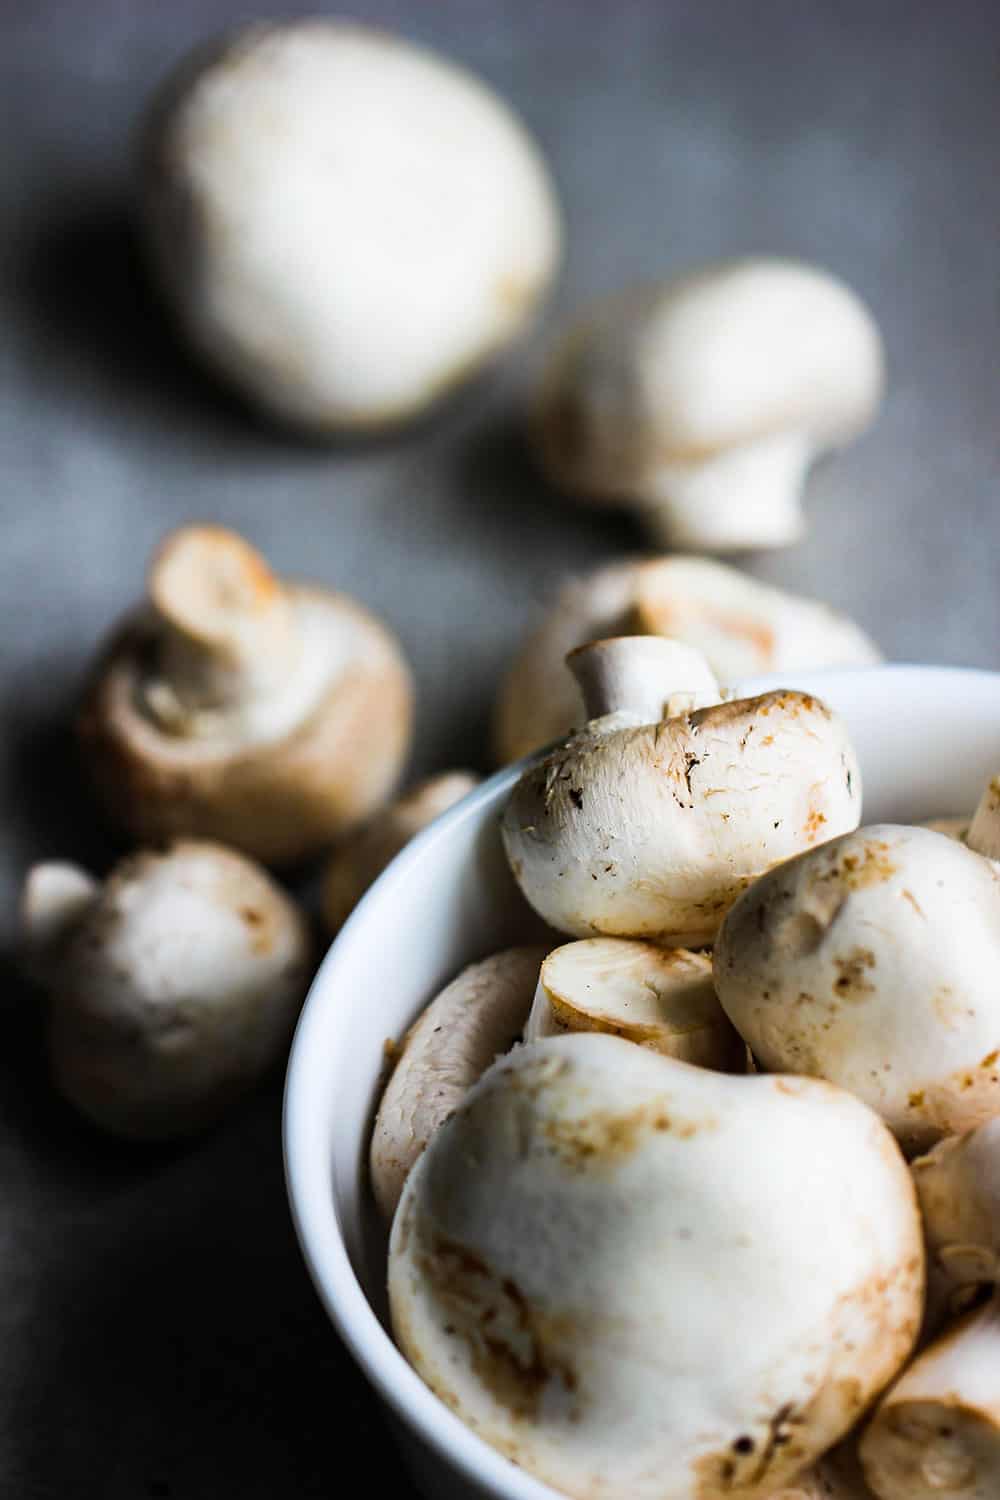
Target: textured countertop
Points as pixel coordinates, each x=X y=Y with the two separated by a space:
x=158 y=1336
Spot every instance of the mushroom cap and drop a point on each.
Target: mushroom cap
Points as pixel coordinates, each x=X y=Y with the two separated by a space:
x=345 y=224
x=479 y=1015
x=574 y=1251
x=653 y=831
x=743 y=628
x=936 y=1433
x=870 y=962
x=662 y=998
x=175 y=991
x=283 y=779
x=958 y=1187
x=682 y=371
x=358 y=862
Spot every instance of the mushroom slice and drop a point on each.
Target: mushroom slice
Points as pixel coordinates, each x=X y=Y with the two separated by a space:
x=358 y=862
x=574 y=1250
x=662 y=998
x=743 y=628
x=649 y=826
x=936 y=1433
x=703 y=401
x=173 y=985
x=475 y=1018
x=345 y=224
x=870 y=962
x=271 y=716
x=958 y=1185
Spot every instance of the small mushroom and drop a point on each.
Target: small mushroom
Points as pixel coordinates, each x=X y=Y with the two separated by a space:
x=958 y=1186
x=662 y=998
x=272 y=716
x=870 y=962
x=345 y=224
x=936 y=1433
x=703 y=401
x=475 y=1018
x=173 y=985
x=649 y=826
x=358 y=862
x=743 y=627
x=647 y=1281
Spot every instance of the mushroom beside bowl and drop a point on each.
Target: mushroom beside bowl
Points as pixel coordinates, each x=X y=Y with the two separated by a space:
x=927 y=738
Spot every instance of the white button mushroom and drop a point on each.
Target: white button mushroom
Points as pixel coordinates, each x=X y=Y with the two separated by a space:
x=271 y=716
x=703 y=401
x=646 y=1281
x=650 y=828
x=870 y=962
x=358 y=862
x=936 y=1434
x=345 y=224
x=743 y=627
x=958 y=1185
x=662 y=998
x=479 y=1015
x=173 y=986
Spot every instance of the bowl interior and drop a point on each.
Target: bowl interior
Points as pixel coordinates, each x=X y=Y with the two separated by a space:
x=927 y=740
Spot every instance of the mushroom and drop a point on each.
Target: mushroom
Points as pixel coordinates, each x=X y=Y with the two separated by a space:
x=982 y=831
x=837 y=1476
x=662 y=998
x=703 y=401
x=578 y=1246
x=743 y=627
x=173 y=985
x=958 y=1187
x=870 y=962
x=272 y=716
x=345 y=224
x=359 y=861
x=936 y=1433
x=649 y=824
x=478 y=1015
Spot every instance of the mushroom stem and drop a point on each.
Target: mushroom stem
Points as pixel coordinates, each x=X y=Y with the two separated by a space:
x=958 y=1188
x=745 y=496
x=984 y=830
x=55 y=897
x=650 y=677
x=229 y=629
x=936 y=1434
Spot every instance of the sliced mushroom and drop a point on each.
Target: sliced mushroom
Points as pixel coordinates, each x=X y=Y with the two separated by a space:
x=742 y=626
x=628 y=1275
x=271 y=716
x=650 y=827
x=936 y=1434
x=703 y=401
x=662 y=998
x=475 y=1018
x=173 y=985
x=958 y=1185
x=345 y=224
x=870 y=962
x=358 y=862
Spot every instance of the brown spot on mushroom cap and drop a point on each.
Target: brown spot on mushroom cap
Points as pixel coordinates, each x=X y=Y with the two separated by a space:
x=602 y=1139
x=852 y=982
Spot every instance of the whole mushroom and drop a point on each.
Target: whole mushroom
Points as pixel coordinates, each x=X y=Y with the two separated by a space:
x=629 y=1275
x=173 y=986
x=702 y=401
x=661 y=998
x=870 y=962
x=479 y=1015
x=361 y=859
x=345 y=224
x=743 y=627
x=651 y=821
x=271 y=716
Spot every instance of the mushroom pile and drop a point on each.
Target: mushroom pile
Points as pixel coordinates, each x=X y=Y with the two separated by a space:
x=660 y=1221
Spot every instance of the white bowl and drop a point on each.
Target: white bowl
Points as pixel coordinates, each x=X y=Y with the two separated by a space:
x=928 y=738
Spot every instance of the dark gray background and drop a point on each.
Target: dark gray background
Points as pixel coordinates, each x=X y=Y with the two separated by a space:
x=157 y=1334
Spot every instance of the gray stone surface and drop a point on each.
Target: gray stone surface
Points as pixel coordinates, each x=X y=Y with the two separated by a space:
x=157 y=1334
